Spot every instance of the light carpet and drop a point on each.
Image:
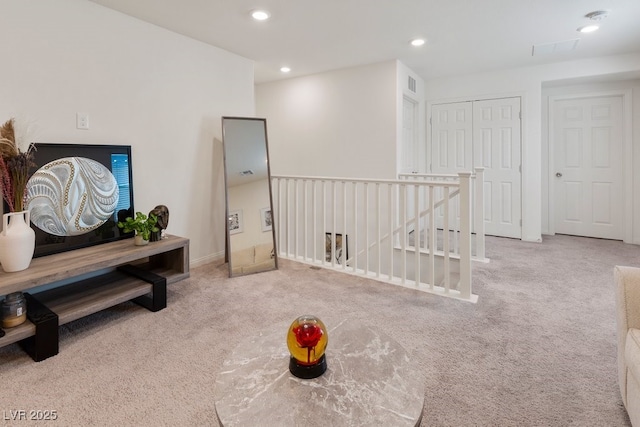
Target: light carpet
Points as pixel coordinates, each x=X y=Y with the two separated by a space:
x=538 y=349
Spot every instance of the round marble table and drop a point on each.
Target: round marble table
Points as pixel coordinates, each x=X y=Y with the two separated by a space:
x=370 y=381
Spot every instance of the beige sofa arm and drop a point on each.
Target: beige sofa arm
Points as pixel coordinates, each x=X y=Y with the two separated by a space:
x=627 y=281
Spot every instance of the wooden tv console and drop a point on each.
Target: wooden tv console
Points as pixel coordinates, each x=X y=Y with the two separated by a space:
x=85 y=281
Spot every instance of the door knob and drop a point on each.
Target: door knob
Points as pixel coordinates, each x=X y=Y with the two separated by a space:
x=558 y=174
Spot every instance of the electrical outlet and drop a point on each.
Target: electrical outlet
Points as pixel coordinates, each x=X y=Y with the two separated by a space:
x=82 y=121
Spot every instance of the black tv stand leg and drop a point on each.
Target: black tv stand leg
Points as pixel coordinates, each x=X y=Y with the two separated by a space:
x=44 y=343
x=158 y=298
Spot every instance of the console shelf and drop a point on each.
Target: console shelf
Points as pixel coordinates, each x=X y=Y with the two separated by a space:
x=89 y=296
x=18 y=333
x=119 y=271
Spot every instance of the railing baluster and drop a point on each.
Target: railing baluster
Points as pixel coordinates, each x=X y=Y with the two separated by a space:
x=456 y=225
x=416 y=234
x=366 y=229
x=333 y=224
x=296 y=218
x=423 y=220
x=479 y=213
x=392 y=210
x=445 y=243
x=275 y=200
x=287 y=204
x=465 y=236
x=378 y=225
x=324 y=221
x=345 y=243
x=305 y=221
x=314 y=234
x=356 y=236
x=275 y=183
x=433 y=235
x=403 y=231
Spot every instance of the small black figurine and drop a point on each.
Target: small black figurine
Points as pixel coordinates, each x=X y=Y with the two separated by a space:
x=162 y=213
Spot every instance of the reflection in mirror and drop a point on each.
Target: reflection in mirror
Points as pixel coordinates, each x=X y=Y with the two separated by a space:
x=250 y=231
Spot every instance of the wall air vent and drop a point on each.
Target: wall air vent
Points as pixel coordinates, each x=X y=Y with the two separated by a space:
x=412 y=84
x=246 y=173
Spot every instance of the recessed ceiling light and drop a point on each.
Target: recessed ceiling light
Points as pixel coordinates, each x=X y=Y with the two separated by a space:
x=417 y=42
x=260 y=15
x=588 y=28
x=285 y=69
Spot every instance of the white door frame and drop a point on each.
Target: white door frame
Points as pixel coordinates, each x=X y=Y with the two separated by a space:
x=627 y=147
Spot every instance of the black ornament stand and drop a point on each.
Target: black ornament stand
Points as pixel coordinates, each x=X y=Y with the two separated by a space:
x=308 y=372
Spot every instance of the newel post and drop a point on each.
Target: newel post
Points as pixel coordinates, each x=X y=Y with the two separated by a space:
x=465 y=235
x=479 y=213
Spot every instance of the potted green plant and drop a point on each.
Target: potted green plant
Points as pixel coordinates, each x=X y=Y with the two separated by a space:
x=142 y=225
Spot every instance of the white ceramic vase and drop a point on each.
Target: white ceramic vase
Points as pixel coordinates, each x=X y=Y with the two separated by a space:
x=17 y=241
x=139 y=241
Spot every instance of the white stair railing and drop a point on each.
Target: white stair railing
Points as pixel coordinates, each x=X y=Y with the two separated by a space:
x=477 y=208
x=382 y=229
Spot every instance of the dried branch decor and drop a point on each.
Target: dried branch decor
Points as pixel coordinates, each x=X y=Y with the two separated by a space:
x=14 y=167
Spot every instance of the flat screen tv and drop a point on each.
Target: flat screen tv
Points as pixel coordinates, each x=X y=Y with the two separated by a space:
x=77 y=193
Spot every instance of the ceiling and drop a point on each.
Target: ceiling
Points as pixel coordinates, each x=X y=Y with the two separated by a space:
x=463 y=36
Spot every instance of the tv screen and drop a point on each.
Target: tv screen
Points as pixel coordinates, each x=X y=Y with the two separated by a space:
x=77 y=193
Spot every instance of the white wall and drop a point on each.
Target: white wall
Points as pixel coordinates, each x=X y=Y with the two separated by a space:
x=339 y=123
x=141 y=85
x=527 y=83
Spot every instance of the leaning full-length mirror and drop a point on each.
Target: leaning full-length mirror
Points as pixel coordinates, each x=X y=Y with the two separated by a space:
x=250 y=230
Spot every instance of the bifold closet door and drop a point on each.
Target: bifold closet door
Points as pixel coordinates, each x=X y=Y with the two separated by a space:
x=451 y=138
x=451 y=146
x=487 y=133
x=497 y=148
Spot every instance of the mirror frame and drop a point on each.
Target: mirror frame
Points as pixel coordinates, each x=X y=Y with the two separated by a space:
x=226 y=191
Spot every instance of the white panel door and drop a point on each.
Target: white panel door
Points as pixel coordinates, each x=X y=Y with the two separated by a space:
x=497 y=148
x=410 y=150
x=451 y=147
x=451 y=138
x=587 y=146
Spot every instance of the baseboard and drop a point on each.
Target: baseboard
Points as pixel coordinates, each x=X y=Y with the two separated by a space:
x=216 y=258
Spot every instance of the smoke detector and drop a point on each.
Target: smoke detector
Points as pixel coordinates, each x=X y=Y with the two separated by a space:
x=597 y=15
